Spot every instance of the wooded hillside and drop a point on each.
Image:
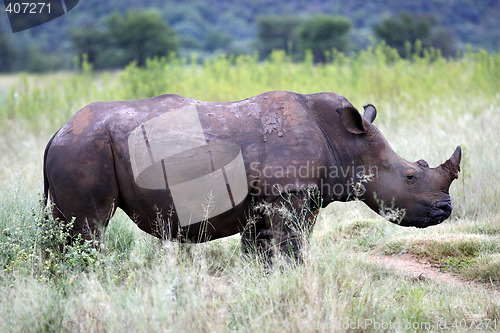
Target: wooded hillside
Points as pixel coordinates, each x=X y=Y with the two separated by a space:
x=223 y=26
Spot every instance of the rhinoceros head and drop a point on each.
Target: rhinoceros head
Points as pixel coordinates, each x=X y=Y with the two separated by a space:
x=407 y=193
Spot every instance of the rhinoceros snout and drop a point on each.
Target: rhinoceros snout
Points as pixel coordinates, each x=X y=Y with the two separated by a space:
x=440 y=212
x=437 y=213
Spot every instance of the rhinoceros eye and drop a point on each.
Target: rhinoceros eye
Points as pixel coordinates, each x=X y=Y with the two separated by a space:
x=411 y=178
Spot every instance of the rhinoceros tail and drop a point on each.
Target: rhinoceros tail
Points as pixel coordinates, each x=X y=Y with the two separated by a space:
x=46 y=184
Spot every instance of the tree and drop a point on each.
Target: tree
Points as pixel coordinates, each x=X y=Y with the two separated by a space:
x=324 y=33
x=277 y=33
x=408 y=28
x=91 y=42
x=6 y=55
x=138 y=35
x=296 y=35
x=444 y=40
x=215 y=40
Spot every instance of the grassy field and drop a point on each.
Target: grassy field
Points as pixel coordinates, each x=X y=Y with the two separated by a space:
x=426 y=106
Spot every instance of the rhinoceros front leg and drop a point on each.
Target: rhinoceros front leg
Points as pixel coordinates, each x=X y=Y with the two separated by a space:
x=283 y=225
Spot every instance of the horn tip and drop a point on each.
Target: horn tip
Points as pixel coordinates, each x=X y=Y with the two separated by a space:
x=456 y=157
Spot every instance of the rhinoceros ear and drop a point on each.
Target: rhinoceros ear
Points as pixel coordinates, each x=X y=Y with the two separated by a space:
x=370 y=112
x=352 y=120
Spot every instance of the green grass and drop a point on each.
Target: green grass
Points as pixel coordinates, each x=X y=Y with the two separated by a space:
x=426 y=106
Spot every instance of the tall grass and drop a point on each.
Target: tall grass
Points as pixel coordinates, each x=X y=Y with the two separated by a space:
x=376 y=74
x=145 y=286
x=427 y=105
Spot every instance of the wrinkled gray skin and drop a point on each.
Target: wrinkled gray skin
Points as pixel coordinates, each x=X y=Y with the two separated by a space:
x=87 y=169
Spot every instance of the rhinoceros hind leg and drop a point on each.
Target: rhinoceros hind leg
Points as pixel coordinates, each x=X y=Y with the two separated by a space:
x=83 y=188
x=87 y=220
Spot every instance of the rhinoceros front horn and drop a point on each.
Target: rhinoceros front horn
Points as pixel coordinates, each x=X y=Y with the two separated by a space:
x=452 y=166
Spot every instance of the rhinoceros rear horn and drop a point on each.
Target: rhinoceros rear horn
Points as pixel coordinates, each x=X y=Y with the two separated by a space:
x=452 y=166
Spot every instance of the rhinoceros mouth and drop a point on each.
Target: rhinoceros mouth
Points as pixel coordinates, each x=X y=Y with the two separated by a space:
x=438 y=218
x=426 y=221
x=430 y=221
x=436 y=214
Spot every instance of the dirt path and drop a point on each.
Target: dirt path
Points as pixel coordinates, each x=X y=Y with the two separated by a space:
x=419 y=270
